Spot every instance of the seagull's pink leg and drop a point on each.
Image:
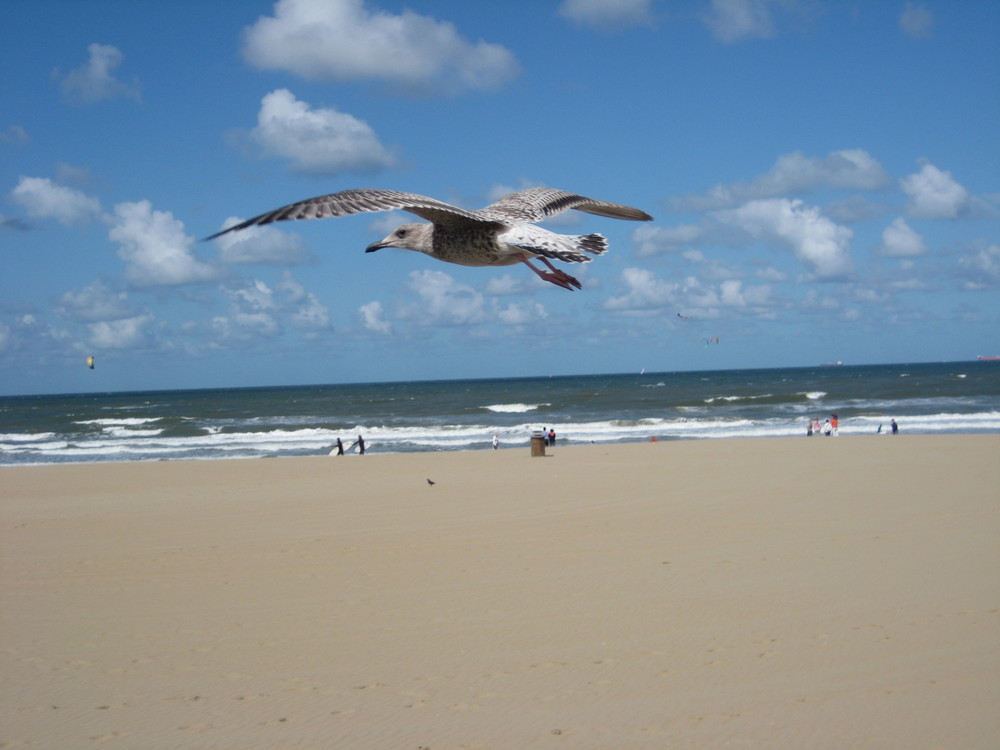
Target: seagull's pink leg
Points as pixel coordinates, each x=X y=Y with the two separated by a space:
x=557 y=276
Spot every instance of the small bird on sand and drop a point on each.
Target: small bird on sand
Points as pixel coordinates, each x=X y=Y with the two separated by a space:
x=431 y=482
x=501 y=234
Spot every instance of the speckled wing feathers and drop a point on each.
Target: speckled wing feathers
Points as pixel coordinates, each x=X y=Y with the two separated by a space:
x=535 y=204
x=349 y=202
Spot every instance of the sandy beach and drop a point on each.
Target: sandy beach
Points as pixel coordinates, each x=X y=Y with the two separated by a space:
x=768 y=593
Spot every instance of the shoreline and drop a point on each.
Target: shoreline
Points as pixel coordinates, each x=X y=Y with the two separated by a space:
x=691 y=593
x=564 y=444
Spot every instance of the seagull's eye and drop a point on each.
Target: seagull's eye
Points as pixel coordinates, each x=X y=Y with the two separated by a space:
x=400 y=232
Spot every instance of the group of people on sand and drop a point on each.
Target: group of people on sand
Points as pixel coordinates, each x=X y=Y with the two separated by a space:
x=550 y=435
x=832 y=427
x=829 y=427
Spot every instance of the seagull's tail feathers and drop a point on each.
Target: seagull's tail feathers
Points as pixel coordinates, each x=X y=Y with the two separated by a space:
x=595 y=244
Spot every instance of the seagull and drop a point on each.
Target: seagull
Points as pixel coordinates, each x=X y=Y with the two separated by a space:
x=431 y=482
x=501 y=234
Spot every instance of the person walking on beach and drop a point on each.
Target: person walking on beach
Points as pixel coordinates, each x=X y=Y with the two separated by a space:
x=496 y=441
x=895 y=427
x=360 y=442
x=827 y=428
x=545 y=434
x=834 y=425
x=809 y=428
x=552 y=436
x=340 y=447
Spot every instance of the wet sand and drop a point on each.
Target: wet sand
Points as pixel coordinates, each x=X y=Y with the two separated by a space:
x=768 y=593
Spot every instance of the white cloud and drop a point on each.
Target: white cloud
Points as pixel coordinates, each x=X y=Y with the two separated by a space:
x=899 y=240
x=733 y=20
x=602 y=14
x=342 y=40
x=444 y=301
x=982 y=267
x=317 y=141
x=821 y=244
x=44 y=199
x=254 y=296
x=304 y=309
x=243 y=327
x=95 y=80
x=795 y=173
x=15 y=134
x=96 y=302
x=505 y=284
x=125 y=333
x=155 y=248
x=934 y=194
x=263 y=244
x=373 y=317
x=652 y=240
x=916 y=21
x=644 y=291
x=519 y=314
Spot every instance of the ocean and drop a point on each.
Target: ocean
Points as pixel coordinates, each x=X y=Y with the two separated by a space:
x=455 y=415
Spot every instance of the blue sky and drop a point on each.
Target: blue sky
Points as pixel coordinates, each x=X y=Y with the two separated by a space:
x=824 y=177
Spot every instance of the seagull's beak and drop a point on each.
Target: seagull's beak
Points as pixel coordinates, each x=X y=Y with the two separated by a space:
x=377 y=246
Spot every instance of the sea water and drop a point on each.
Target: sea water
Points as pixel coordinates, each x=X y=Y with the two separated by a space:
x=956 y=397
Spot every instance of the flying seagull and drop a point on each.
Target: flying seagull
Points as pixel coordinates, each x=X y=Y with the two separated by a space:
x=502 y=234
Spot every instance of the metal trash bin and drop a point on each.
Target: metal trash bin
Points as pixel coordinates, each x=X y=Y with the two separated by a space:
x=537 y=444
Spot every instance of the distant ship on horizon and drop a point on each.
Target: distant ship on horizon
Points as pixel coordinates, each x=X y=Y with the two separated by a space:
x=989 y=359
x=838 y=363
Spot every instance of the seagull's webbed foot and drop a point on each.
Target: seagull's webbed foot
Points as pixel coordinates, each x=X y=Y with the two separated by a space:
x=554 y=275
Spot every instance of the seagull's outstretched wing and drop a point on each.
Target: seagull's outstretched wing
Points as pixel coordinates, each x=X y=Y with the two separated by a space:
x=534 y=204
x=362 y=201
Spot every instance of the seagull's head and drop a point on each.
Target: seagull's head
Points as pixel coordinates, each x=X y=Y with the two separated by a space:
x=408 y=237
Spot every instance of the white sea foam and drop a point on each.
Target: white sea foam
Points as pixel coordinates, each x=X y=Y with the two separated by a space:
x=115 y=431
x=119 y=421
x=512 y=408
x=713 y=399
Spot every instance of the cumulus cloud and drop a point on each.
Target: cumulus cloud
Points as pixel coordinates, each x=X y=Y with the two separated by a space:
x=15 y=134
x=343 y=40
x=916 y=21
x=646 y=294
x=124 y=333
x=44 y=199
x=734 y=20
x=899 y=240
x=266 y=245
x=303 y=308
x=815 y=240
x=242 y=328
x=95 y=80
x=795 y=173
x=155 y=248
x=934 y=194
x=373 y=317
x=604 y=14
x=653 y=240
x=317 y=141
x=520 y=313
x=981 y=266
x=444 y=301
x=96 y=302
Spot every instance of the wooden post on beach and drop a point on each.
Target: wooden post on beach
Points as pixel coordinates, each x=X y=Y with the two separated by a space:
x=537 y=444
